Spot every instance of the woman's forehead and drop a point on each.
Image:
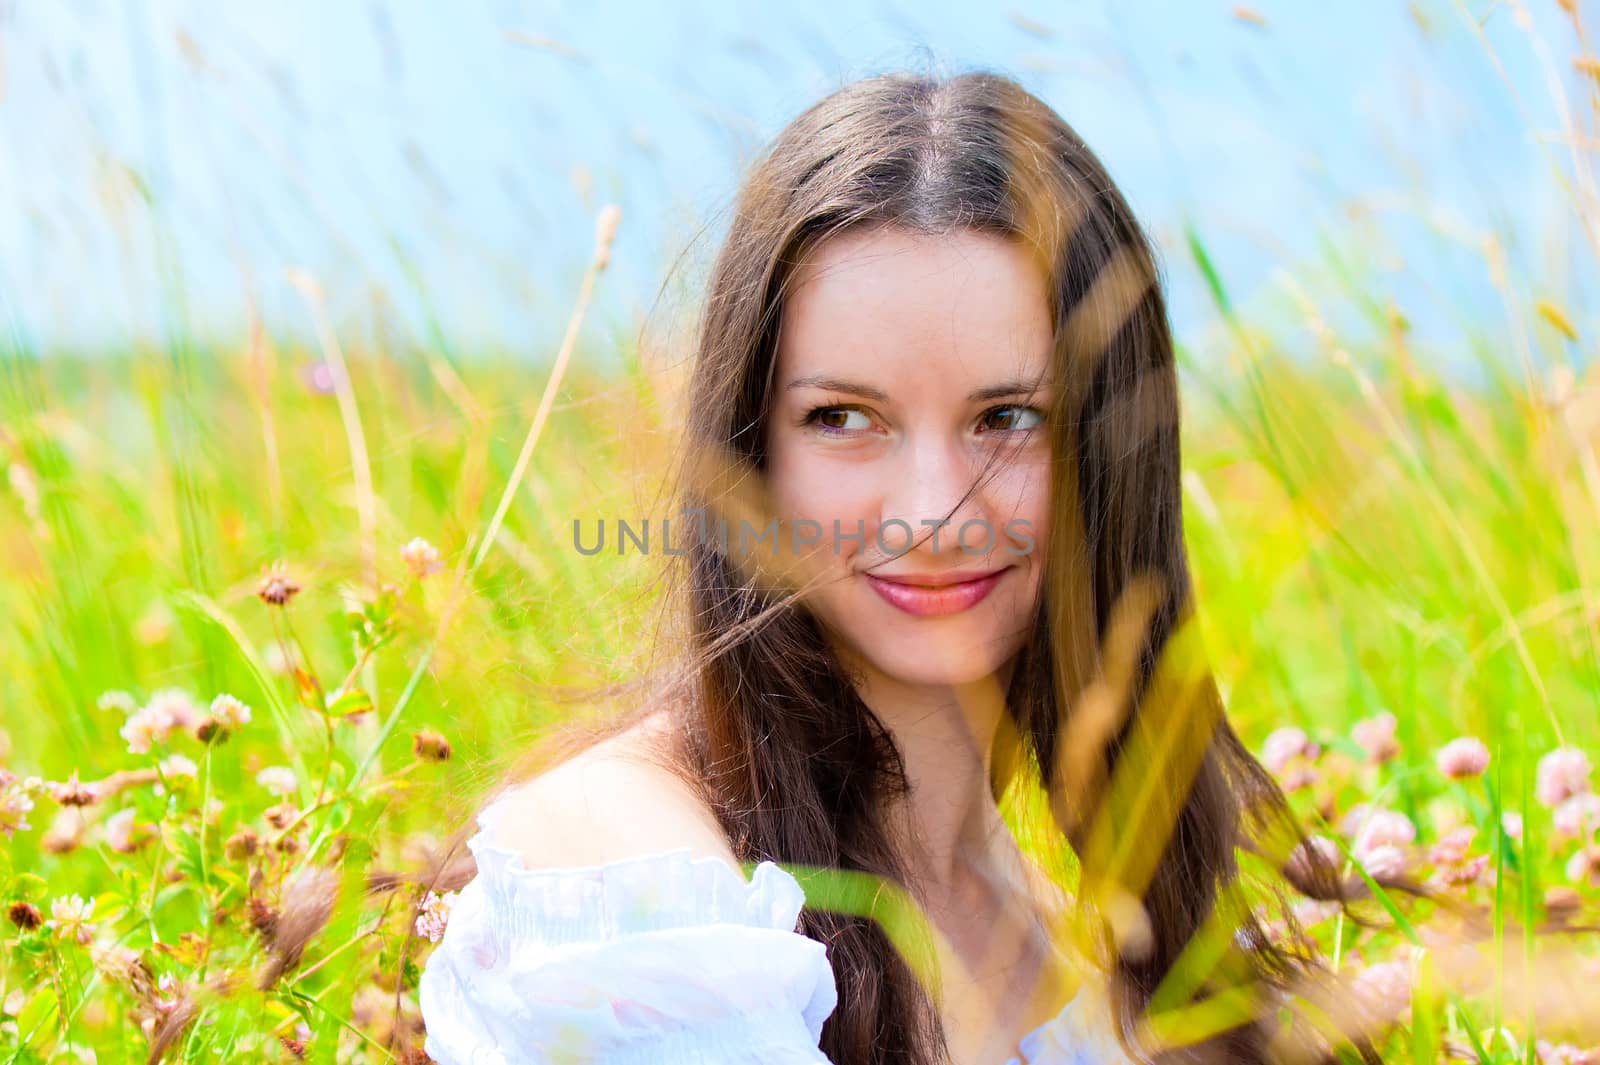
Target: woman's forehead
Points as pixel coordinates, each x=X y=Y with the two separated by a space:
x=970 y=306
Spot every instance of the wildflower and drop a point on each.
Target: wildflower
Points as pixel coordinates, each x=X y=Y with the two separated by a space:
x=65 y=831
x=242 y=844
x=227 y=714
x=140 y=731
x=25 y=915
x=122 y=834
x=1511 y=825
x=277 y=779
x=1383 y=828
x=1548 y=1053
x=1375 y=736
x=277 y=587
x=430 y=746
x=1562 y=773
x=16 y=801
x=1452 y=863
x=421 y=557
x=296 y=1044
x=435 y=912
x=1283 y=746
x=69 y=918
x=1351 y=823
x=1584 y=866
x=177 y=767
x=1384 y=863
x=1385 y=988
x=73 y=792
x=1300 y=863
x=176 y=706
x=280 y=815
x=1380 y=841
x=166 y=710
x=122 y=965
x=1577 y=817
x=116 y=699
x=1312 y=912
x=1452 y=847
x=1463 y=758
x=262 y=917
x=1299 y=774
x=229 y=711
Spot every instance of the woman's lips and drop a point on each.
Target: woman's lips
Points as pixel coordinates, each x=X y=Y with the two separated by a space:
x=935 y=602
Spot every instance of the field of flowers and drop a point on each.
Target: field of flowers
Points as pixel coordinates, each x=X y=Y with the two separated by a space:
x=257 y=665
x=272 y=617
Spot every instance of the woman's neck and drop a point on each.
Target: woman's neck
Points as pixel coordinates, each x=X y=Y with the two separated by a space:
x=945 y=733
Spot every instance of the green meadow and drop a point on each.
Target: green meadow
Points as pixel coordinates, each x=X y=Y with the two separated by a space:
x=273 y=616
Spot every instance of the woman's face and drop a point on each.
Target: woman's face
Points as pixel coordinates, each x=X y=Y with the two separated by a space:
x=905 y=364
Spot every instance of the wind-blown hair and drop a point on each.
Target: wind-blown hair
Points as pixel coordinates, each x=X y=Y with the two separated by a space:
x=767 y=724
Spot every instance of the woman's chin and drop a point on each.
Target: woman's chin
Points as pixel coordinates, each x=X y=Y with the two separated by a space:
x=930 y=668
x=926 y=658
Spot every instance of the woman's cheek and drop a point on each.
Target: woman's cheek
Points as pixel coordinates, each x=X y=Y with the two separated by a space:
x=826 y=498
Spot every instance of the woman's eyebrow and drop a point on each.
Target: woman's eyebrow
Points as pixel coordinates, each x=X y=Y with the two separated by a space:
x=1014 y=387
x=839 y=384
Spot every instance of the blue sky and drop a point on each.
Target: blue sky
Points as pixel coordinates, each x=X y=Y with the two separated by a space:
x=163 y=163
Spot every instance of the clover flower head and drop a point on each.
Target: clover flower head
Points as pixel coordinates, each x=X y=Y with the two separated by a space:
x=435 y=913
x=1283 y=745
x=277 y=779
x=70 y=917
x=1375 y=736
x=229 y=712
x=1561 y=774
x=178 y=767
x=1577 y=816
x=421 y=557
x=1511 y=824
x=1462 y=758
x=118 y=700
x=1385 y=988
x=1382 y=828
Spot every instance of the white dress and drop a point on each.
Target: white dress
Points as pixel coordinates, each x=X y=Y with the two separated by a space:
x=660 y=959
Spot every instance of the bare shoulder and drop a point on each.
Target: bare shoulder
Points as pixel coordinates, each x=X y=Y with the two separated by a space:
x=607 y=803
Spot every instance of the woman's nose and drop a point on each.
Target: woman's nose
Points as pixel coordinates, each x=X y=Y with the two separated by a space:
x=933 y=496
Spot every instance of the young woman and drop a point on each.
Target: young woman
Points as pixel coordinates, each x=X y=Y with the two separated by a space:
x=934 y=348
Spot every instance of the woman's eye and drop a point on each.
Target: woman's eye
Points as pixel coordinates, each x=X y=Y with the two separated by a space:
x=838 y=419
x=1015 y=418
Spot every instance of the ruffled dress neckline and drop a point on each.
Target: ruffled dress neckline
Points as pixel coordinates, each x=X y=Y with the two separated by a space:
x=673 y=888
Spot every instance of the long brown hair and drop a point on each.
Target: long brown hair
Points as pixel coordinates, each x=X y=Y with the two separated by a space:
x=768 y=725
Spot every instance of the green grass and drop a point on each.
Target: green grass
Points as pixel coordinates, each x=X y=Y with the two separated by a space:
x=1368 y=535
